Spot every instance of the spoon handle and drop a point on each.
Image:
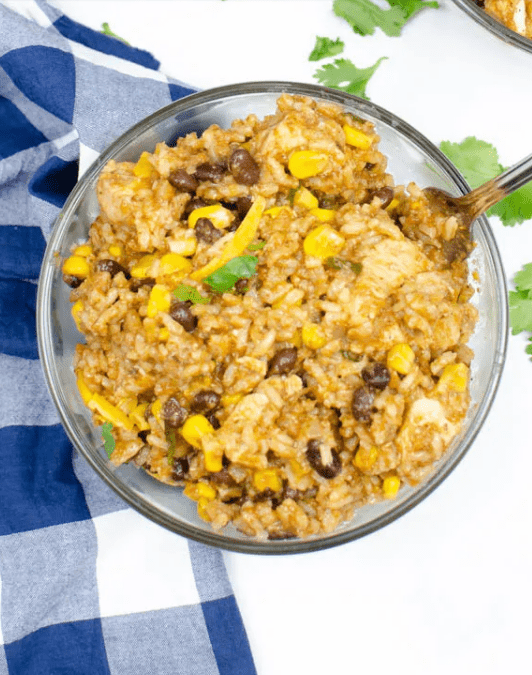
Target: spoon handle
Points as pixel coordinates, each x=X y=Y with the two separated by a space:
x=516 y=176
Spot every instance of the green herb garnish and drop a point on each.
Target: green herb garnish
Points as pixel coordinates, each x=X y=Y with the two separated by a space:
x=224 y=278
x=479 y=161
x=338 y=263
x=352 y=356
x=326 y=47
x=520 y=302
x=171 y=440
x=108 y=439
x=257 y=247
x=107 y=31
x=190 y=294
x=344 y=75
x=364 y=16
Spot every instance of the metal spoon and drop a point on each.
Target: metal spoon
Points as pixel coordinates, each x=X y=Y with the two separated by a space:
x=469 y=207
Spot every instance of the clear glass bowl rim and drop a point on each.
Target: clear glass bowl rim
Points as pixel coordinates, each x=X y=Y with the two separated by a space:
x=496 y=27
x=44 y=332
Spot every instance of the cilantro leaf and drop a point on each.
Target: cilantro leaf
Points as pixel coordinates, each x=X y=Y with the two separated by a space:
x=339 y=263
x=520 y=304
x=109 y=441
x=364 y=16
x=344 y=75
x=172 y=441
x=107 y=31
x=224 y=278
x=326 y=47
x=479 y=161
x=515 y=208
x=523 y=279
x=258 y=246
x=189 y=294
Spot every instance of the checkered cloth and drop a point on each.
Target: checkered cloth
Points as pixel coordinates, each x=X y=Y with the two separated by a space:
x=87 y=586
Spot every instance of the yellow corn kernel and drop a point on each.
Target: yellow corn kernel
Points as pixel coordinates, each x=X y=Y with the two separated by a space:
x=156 y=408
x=267 y=479
x=116 y=251
x=307 y=163
x=401 y=358
x=325 y=215
x=127 y=404
x=390 y=486
x=202 y=508
x=171 y=263
x=219 y=216
x=305 y=199
x=454 y=377
x=159 y=300
x=84 y=250
x=76 y=309
x=110 y=412
x=164 y=334
x=313 y=336
x=356 y=137
x=197 y=491
x=366 y=458
x=138 y=418
x=274 y=211
x=230 y=399
x=392 y=205
x=141 y=269
x=242 y=238
x=186 y=246
x=84 y=391
x=212 y=461
x=143 y=168
x=323 y=242
x=194 y=428
x=76 y=266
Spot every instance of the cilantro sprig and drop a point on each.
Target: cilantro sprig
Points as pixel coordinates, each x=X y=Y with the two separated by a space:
x=520 y=302
x=107 y=31
x=108 y=439
x=224 y=278
x=344 y=75
x=325 y=47
x=190 y=294
x=364 y=16
x=479 y=161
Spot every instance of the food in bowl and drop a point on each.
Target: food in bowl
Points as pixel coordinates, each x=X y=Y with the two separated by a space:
x=515 y=14
x=270 y=323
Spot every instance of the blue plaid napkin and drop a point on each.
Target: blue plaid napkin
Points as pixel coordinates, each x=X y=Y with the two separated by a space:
x=87 y=586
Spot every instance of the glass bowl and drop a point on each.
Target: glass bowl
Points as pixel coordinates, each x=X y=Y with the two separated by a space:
x=410 y=156
x=496 y=27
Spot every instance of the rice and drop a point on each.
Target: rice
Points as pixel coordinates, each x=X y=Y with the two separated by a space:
x=329 y=370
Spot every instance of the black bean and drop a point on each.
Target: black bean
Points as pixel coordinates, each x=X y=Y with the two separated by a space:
x=205 y=401
x=369 y=166
x=385 y=194
x=192 y=205
x=210 y=171
x=362 y=403
x=72 y=281
x=136 y=284
x=215 y=422
x=173 y=413
x=313 y=455
x=180 y=312
x=205 y=231
x=181 y=467
x=243 y=204
x=264 y=495
x=377 y=376
x=282 y=361
x=244 y=168
x=183 y=181
x=242 y=286
x=222 y=477
x=112 y=267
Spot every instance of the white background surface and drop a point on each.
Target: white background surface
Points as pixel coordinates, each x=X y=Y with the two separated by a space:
x=447 y=588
